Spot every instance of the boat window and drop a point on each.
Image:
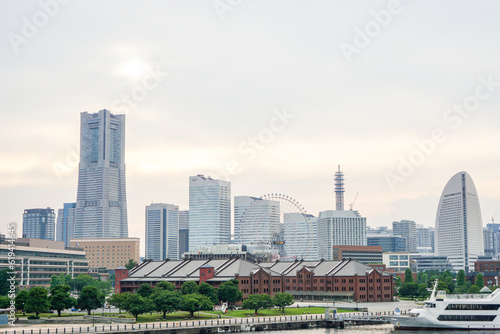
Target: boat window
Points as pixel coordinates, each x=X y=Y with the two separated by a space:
x=485 y=307
x=430 y=305
x=448 y=317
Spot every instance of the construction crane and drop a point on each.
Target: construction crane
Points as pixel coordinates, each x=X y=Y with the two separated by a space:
x=353 y=201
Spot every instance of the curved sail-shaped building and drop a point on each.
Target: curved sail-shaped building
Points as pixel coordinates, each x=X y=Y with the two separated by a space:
x=459 y=227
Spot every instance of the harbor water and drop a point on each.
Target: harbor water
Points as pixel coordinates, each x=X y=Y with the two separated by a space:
x=371 y=329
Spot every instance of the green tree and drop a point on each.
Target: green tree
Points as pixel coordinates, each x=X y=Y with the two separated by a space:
x=90 y=299
x=130 y=264
x=423 y=278
x=195 y=302
x=282 y=300
x=450 y=284
x=119 y=300
x=166 y=301
x=473 y=289
x=60 y=299
x=229 y=292
x=209 y=291
x=22 y=299
x=257 y=302
x=461 y=278
x=189 y=287
x=38 y=301
x=4 y=301
x=83 y=280
x=135 y=304
x=409 y=290
x=399 y=282
x=54 y=281
x=145 y=290
x=422 y=291
x=165 y=286
x=4 y=282
x=408 y=276
x=479 y=281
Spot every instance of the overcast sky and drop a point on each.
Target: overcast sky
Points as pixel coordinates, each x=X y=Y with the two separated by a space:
x=402 y=94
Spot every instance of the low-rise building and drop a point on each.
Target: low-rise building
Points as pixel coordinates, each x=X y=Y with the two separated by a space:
x=307 y=280
x=363 y=254
x=109 y=253
x=396 y=262
x=36 y=260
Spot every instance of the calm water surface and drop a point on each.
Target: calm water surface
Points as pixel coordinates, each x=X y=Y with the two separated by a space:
x=372 y=329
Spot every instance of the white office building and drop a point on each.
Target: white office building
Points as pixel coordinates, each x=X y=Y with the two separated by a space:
x=256 y=220
x=209 y=211
x=301 y=236
x=459 y=228
x=101 y=204
x=162 y=231
x=340 y=227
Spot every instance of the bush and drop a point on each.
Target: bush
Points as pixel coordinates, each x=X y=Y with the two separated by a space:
x=33 y=317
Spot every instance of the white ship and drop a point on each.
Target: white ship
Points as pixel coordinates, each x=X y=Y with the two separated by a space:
x=441 y=311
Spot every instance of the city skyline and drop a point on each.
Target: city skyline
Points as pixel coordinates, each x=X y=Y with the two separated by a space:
x=269 y=87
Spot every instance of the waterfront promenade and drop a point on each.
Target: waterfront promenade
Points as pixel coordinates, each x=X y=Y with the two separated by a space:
x=194 y=326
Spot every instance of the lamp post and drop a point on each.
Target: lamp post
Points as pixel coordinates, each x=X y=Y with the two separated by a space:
x=93 y=319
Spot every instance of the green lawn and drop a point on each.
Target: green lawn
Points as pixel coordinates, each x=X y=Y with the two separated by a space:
x=204 y=315
x=276 y=312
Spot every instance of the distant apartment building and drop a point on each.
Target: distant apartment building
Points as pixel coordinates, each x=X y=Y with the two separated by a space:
x=408 y=230
x=389 y=243
x=425 y=239
x=39 y=224
x=422 y=262
x=491 y=235
x=36 y=260
x=109 y=253
x=253 y=252
x=384 y=230
x=209 y=211
x=162 y=231
x=343 y=227
x=66 y=223
x=363 y=254
x=183 y=232
x=300 y=232
x=396 y=261
x=256 y=220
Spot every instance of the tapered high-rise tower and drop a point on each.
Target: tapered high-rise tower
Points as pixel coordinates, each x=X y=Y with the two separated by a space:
x=459 y=227
x=101 y=206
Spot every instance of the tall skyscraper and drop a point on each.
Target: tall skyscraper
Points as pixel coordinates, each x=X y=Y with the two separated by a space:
x=407 y=229
x=39 y=224
x=209 y=211
x=256 y=220
x=459 y=227
x=101 y=206
x=301 y=235
x=183 y=232
x=66 y=223
x=340 y=228
x=162 y=232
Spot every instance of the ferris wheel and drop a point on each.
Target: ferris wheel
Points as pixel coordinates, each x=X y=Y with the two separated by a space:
x=280 y=221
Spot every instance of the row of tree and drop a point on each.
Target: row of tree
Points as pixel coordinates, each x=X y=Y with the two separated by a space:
x=38 y=300
x=192 y=298
x=447 y=281
x=166 y=299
